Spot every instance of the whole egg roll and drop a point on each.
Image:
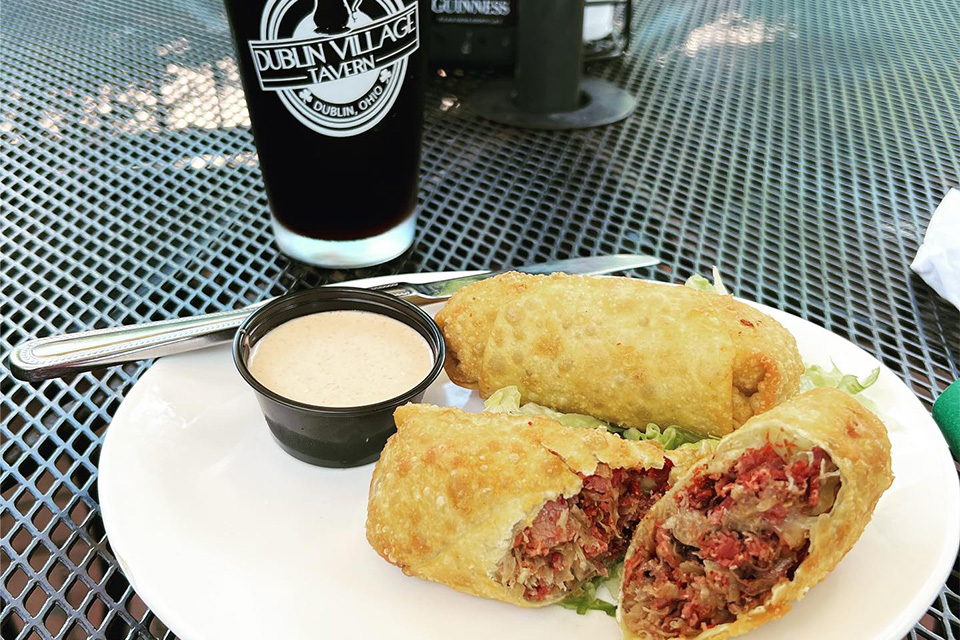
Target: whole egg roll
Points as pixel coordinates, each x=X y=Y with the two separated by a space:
x=514 y=508
x=747 y=531
x=622 y=350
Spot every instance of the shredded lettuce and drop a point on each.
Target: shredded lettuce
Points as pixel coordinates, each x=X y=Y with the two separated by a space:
x=817 y=376
x=614 y=577
x=700 y=283
x=585 y=597
x=717 y=282
x=507 y=400
x=821 y=377
x=672 y=437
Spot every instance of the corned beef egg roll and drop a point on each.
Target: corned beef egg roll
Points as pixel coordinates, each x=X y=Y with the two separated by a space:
x=622 y=350
x=515 y=508
x=747 y=531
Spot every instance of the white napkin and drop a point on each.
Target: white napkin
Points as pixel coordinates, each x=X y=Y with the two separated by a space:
x=938 y=258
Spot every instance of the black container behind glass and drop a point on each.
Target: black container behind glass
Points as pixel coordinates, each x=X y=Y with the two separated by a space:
x=473 y=34
x=335 y=94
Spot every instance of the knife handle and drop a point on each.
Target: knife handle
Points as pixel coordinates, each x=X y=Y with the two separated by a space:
x=67 y=354
x=61 y=355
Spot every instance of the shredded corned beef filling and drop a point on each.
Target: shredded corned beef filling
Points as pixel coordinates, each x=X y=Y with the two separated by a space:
x=736 y=536
x=574 y=539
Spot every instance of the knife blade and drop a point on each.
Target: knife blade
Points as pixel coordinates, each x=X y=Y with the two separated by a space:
x=438 y=290
x=59 y=355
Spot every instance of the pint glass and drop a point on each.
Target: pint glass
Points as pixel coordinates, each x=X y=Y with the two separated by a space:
x=335 y=94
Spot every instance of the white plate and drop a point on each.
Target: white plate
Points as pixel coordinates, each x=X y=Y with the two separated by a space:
x=226 y=537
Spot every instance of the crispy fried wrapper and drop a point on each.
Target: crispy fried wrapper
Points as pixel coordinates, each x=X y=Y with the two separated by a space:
x=741 y=527
x=453 y=490
x=626 y=351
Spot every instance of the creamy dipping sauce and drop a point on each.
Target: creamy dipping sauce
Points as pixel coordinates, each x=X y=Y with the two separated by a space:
x=341 y=358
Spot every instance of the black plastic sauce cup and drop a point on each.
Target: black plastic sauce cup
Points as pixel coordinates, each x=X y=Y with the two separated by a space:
x=333 y=436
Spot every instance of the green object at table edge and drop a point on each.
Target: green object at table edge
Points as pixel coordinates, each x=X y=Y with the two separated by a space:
x=946 y=413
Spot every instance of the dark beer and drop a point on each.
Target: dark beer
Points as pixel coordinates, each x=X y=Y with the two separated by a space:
x=335 y=94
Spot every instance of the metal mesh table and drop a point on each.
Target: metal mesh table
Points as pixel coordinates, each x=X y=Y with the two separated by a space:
x=799 y=144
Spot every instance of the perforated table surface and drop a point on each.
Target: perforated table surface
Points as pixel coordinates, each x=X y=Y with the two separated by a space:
x=799 y=144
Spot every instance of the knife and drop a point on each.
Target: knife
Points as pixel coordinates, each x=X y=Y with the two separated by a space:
x=56 y=356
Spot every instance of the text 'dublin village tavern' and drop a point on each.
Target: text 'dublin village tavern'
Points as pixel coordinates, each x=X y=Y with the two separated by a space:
x=300 y=62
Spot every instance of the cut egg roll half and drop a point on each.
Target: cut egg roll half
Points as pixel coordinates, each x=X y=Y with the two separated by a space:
x=515 y=508
x=750 y=529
